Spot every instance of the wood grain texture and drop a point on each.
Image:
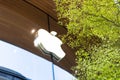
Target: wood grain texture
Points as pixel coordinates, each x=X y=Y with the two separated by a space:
x=48 y=6
x=18 y=18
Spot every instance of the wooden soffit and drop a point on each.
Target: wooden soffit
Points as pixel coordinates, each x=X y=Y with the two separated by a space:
x=19 y=17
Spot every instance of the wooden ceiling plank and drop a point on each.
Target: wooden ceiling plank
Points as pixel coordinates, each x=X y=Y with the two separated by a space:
x=17 y=18
x=46 y=6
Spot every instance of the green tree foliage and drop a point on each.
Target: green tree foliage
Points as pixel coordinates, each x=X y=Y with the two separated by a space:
x=94 y=32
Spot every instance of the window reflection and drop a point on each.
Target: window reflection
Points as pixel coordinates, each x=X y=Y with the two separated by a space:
x=28 y=64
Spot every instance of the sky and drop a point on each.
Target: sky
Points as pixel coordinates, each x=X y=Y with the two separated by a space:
x=29 y=64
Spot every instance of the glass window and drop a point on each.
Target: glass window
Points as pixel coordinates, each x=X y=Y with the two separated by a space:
x=28 y=64
x=4 y=78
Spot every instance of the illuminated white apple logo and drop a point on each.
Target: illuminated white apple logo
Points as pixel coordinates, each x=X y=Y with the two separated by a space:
x=49 y=44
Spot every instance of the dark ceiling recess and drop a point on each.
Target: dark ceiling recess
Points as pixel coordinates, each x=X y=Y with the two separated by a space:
x=18 y=18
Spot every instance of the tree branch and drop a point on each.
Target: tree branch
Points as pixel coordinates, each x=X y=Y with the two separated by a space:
x=110 y=21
